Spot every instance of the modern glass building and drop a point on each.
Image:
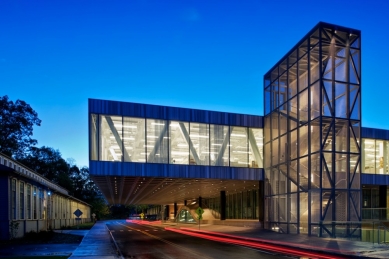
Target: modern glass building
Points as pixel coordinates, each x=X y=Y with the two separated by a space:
x=306 y=166
x=312 y=133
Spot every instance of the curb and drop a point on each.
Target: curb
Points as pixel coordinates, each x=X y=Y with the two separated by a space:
x=119 y=254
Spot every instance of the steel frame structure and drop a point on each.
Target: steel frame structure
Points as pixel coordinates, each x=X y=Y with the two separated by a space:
x=312 y=133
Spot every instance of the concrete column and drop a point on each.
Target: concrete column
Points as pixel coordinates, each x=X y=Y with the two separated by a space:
x=222 y=205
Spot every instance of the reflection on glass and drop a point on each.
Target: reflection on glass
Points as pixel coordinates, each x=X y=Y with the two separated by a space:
x=157 y=141
x=179 y=142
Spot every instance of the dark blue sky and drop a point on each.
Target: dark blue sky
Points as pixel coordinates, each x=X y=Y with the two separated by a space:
x=196 y=54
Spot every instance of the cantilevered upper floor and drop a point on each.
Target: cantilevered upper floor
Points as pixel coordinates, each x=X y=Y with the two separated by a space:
x=138 y=140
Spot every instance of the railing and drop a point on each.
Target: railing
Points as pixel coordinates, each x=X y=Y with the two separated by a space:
x=382 y=233
x=375 y=214
x=350 y=230
x=376 y=232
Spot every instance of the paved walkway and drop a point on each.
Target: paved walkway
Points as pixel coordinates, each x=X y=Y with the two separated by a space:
x=96 y=244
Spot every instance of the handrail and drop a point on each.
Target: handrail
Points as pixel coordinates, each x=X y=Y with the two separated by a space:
x=380 y=227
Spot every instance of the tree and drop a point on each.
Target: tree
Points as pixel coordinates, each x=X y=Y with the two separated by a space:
x=16 y=126
x=49 y=163
x=84 y=188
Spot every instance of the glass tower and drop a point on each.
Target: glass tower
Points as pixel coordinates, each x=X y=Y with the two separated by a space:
x=312 y=136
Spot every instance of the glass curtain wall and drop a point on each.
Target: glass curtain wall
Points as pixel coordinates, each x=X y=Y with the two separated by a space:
x=240 y=205
x=312 y=135
x=128 y=139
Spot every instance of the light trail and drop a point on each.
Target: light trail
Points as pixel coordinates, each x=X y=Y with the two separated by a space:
x=254 y=244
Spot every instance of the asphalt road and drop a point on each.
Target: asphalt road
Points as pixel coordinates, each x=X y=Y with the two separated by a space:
x=149 y=242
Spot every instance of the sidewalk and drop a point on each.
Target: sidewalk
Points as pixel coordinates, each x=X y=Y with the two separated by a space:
x=96 y=244
x=327 y=245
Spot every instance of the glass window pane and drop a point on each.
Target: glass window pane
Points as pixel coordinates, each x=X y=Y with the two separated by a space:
x=267 y=100
x=314 y=64
x=314 y=102
x=256 y=147
x=275 y=95
x=283 y=89
x=341 y=170
x=341 y=100
x=283 y=148
x=94 y=137
x=21 y=200
x=199 y=149
x=110 y=138
x=303 y=73
x=267 y=127
x=283 y=122
x=315 y=135
x=368 y=156
x=35 y=207
x=179 y=146
x=219 y=145
x=13 y=199
x=239 y=147
x=340 y=64
x=157 y=152
x=134 y=140
x=293 y=108
x=267 y=153
x=379 y=156
x=28 y=201
x=292 y=79
x=274 y=125
x=341 y=127
x=293 y=144
x=303 y=140
x=303 y=107
x=275 y=152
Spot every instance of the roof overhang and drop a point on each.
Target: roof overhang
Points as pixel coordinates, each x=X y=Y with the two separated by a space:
x=142 y=183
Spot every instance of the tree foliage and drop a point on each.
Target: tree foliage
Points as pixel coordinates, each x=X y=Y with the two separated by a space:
x=16 y=126
x=49 y=163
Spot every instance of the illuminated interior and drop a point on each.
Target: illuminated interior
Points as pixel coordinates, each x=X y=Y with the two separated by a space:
x=139 y=140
